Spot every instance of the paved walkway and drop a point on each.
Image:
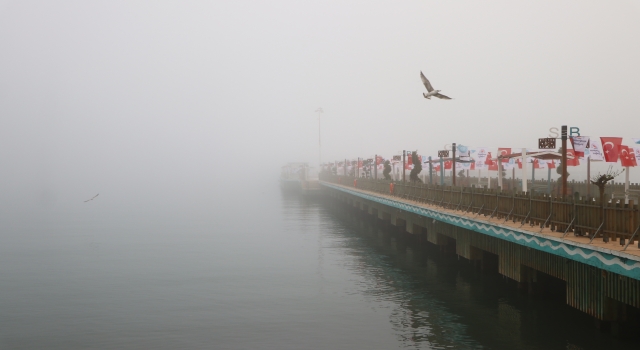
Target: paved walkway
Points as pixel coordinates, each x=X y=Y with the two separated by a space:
x=632 y=252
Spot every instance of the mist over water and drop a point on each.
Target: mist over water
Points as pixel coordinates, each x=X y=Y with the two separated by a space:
x=180 y=115
x=267 y=270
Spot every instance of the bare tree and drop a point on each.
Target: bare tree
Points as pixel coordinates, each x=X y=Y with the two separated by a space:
x=601 y=181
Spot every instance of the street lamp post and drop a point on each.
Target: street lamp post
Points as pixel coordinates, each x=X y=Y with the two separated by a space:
x=453 y=165
x=319 y=111
x=404 y=153
x=430 y=172
x=564 y=161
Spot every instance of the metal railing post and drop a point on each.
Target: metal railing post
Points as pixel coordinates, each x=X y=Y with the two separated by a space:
x=550 y=213
x=513 y=205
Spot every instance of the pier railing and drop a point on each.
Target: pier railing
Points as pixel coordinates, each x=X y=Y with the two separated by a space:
x=572 y=215
x=584 y=187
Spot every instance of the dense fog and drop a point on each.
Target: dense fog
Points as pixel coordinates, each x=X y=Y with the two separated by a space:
x=151 y=102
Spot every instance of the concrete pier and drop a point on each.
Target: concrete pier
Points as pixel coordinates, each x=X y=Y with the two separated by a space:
x=600 y=279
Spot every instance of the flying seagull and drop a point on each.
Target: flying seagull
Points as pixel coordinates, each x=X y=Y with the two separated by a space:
x=92 y=198
x=431 y=91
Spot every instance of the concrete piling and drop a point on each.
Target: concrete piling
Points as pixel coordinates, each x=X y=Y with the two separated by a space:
x=611 y=298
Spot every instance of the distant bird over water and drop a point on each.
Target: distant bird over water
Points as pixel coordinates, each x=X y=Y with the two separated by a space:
x=431 y=91
x=90 y=199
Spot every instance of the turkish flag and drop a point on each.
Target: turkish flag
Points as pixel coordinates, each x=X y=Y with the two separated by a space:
x=572 y=162
x=437 y=167
x=448 y=165
x=536 y=164
x=610 y=148
x=489 y=161
x=473 y=166
x=504 y=152
x=627 y=156
x=493 y=166
x=551 y=164
x=409 y=158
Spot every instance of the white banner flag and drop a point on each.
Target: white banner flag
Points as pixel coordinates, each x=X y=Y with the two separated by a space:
x=465 y=166
x=595 y=152
x=481 y=157
x=511 y=164
x=579 y=143
x=636 y=150
x=464 y=153
x=542 y=164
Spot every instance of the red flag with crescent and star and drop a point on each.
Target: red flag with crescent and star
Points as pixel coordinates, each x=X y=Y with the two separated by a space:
x=536 y=163
x=610 y=148
x=575 y=161
x=489 y=161
x=551 y=164
x=627 y=156
x=504 y=152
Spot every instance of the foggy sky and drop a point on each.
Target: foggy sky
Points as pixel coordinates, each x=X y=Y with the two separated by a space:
x=176 y=97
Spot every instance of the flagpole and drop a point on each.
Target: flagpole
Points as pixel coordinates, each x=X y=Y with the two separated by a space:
x=564 y=161
x=626 y=185
x=430 y=172
x=320 y=111
x=499 y=173
x=589 y=176
x=404 y=153
x=375 y=169
x=533 y=173
x=524 y=169
x=441 y=172
x=453 y=166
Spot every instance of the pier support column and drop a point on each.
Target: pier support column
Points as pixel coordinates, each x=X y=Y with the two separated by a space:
x=401 y=225
x=528 y=280
x=475 y=257
x=385 y=217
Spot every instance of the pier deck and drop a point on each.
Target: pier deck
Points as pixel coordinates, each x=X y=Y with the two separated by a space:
x=601 y=279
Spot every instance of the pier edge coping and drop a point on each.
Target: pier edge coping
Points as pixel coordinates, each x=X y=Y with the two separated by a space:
x=615 y=261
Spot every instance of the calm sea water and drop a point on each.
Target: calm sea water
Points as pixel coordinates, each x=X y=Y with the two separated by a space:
x=259 y=271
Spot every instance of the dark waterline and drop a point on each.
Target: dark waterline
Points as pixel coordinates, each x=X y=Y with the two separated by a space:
x=265 y=270
x=486 y=309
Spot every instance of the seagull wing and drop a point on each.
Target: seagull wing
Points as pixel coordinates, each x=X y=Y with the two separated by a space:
x=426 y=82
x=90 y=199
x=439 y=95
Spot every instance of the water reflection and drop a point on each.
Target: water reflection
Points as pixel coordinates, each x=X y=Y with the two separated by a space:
x=438 y=301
